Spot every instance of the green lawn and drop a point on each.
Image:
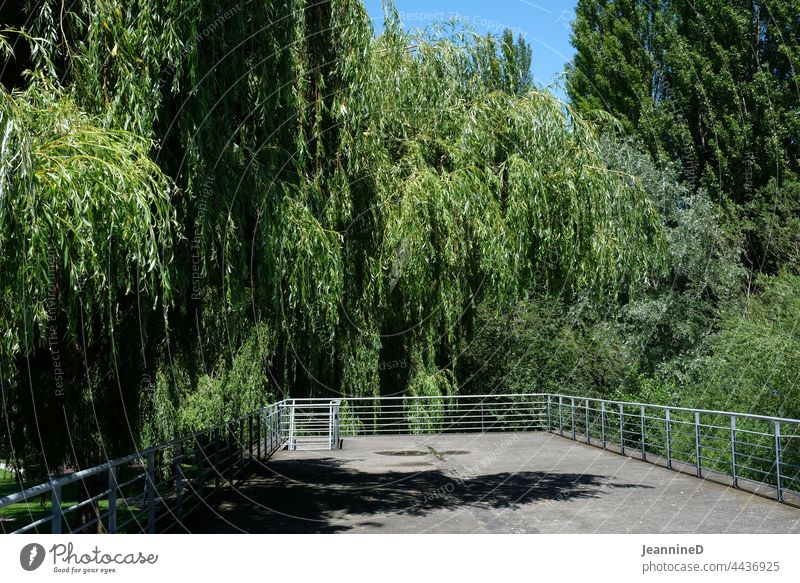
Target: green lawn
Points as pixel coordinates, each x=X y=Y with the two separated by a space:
x=17 y=515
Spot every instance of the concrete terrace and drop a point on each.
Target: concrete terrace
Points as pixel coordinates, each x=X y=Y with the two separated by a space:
x=481 y=483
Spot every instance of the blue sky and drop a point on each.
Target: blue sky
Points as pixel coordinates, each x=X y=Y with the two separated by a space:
x=544 y=24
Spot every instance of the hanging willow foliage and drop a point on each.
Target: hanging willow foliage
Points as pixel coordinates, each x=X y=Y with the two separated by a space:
x=354 y=196
x=458 y=191
x=85 y=214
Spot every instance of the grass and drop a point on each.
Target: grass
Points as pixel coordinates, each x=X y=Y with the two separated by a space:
x=18 y=515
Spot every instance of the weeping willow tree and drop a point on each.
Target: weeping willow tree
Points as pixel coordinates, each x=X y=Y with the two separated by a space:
x=345 y=201
x=86 y=226
x=426 y=186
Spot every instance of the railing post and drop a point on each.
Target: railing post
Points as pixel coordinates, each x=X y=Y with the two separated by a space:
x=250 y=437
x=337 y=438
x=572 y=416
x=603 y=423
x=292 y=440
x=733 y=452
x=150 y=493
x=241 y=444
x=548 y=412
x=178 y=472
x=697 y=443
x=335 y=424
x=560 y=416
x=112 y=500
x=217 y=469
x=330 y=425
x=199 y=454
x=778 y=477
x=669 y=440
x=483 y=429
x=268 y=428
x=229 y=437
x=58 y=513
x=621 y=430
x=277 y=422
x=586 y=420
x=643 y=441
x=258 y=436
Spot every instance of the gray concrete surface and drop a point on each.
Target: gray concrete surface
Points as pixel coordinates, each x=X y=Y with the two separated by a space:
x=490 y=483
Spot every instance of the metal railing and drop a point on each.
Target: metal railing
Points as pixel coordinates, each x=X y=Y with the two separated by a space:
x=153 y=490
x=311 y=424
x=442 y=414
x=752 y=452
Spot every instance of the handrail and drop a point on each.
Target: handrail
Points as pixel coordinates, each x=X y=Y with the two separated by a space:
x=751 y=456
x=761 y=452
x=686 y=409
x=212 y=448
x=424 y=397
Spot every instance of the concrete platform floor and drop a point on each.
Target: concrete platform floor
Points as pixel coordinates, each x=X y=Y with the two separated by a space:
x=490 y=483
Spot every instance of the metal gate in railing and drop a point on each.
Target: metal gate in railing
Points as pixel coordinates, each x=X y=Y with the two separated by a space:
x=311 y=424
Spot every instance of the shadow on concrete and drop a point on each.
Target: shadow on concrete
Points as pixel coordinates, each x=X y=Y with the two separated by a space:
x=321 y=496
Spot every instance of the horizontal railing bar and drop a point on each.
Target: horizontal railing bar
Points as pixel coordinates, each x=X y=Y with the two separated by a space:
x=86 y=502
x=433 y=431
x=86 y=525
x=427 y=397
x=455 y=404
x=685 y=409
x=80 y=475
x=34 y=524
x=756 y=445
x=758 y=471
x=449 y=412
x=121 y=527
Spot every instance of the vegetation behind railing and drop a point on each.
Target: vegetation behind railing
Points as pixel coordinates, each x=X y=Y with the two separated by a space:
x=155 y=489
x=763 y=451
